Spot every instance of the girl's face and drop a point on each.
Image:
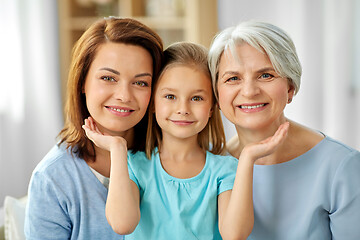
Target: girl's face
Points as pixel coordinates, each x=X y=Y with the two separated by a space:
x=183 y=102
x=251 y=94
x=118 y=87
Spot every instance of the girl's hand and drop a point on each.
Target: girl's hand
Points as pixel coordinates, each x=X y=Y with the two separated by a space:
x=267 y=146
x=101 y=140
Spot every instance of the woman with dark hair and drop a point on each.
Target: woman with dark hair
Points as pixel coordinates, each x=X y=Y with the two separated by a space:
x=114 y=65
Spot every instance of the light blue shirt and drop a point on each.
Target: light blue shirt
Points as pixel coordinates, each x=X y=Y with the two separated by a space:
x=315 y=196
x=66 y=200
x=173 y=208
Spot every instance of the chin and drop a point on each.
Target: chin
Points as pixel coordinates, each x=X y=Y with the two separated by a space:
x=252 y=125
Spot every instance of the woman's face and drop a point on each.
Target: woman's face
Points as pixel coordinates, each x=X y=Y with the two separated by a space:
x=251 y=94
x=118 y=86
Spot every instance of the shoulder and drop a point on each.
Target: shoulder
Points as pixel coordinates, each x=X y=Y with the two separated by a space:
x=58 y=174
x=336 y=149
x=58 y=155
x=334 y=158
x=232 y=146
x=136 y=158
x=219 y=161
x=138 y=162
x=58 y=165
x=334 y=146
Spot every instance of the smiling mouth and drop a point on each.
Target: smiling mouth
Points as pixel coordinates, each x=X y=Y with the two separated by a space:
x=252 y=107
x=121 y=110
x=182 y=122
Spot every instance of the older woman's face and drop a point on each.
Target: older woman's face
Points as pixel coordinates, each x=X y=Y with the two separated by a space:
x=251 y=94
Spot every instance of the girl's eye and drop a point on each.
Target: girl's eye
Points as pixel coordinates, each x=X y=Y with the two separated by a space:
x=170 y=97
x=141 y=83
x=196 y=98
x=108 y=79
x=266 y=76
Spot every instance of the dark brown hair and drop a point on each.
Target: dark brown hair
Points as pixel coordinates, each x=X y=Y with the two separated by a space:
x=118 y=30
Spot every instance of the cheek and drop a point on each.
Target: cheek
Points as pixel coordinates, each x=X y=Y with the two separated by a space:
x=160 y=108
x=225 y=97
x=281 y=93
x=143 y=98
x=94 y=95
x=93 y=89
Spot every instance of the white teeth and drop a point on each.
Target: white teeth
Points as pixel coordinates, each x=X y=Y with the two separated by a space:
x=252 y=107
x=119 y=110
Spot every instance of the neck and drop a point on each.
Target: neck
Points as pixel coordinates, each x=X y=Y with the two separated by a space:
x=248 y=136
x=102 y=161
x=179 y=149
x=182 y=158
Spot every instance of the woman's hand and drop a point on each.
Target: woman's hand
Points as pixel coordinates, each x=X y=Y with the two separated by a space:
x=267 y=146
x=101 y=140
x=236 y=206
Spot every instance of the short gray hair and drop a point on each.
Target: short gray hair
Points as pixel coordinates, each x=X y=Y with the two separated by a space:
x=265 y=37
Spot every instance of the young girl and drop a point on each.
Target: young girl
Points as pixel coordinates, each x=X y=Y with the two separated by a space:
x=184 y=191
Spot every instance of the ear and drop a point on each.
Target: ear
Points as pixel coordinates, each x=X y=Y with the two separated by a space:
x=211 y=112
x=291 y=92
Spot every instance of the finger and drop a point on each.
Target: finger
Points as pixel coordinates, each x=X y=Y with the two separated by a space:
x=97 y=129
x=280 y=134
x=91 y=122
x=87 y=131
x=86 y=122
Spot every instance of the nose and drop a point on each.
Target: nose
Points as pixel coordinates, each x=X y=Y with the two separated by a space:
x=250 y=88
x=123 y=92
x=183 y=108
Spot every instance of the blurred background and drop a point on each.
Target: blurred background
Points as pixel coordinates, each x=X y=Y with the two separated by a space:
x=36 y=39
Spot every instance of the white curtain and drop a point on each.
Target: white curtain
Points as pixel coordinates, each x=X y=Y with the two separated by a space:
x=327 y=36
x=30 y=104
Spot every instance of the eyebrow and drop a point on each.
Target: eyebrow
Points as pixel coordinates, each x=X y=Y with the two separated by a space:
x=118 y=73
x=143 y=75
x=229 y=73
x=266 y=69
x=110 y=70
x=261 y=70
x=174 y=90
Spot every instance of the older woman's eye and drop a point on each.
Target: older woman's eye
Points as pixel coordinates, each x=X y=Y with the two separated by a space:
x=266 y=76
x=232 y=79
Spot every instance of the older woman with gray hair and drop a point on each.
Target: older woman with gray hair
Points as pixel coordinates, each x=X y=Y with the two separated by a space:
x=309 y=188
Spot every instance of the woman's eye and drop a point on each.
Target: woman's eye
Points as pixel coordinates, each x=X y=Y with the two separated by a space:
x=266 y=76
x=196 y=98
x=170 y=97
x=141 y=84
x=108 y=79
x=232 y=79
